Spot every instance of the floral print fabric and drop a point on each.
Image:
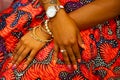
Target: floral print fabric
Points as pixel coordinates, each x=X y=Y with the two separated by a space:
x=100 y=60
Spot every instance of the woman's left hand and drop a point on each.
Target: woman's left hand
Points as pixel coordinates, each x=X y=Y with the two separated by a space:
x=66 y=38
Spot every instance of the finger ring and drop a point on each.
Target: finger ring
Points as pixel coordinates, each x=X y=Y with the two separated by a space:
x=62 y=51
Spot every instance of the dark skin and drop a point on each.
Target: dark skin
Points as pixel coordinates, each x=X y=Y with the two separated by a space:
x=89 y=15
x=70 y=24
x=95 y=13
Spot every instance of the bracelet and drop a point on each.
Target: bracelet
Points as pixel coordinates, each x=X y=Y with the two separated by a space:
x=34 y=36
x=46 y=31
x=47 y=28
x=41 y=28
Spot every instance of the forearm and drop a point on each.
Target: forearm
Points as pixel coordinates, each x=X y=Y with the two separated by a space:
x=47 y=3
x=95 y=12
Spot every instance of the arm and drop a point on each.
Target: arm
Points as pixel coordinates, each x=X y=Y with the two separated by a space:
x=63 y=25
x=66 y=37
x=95 y=12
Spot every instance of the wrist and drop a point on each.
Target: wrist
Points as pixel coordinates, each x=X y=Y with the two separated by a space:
x=42 y=34
x=47 y=3
x=58 y=16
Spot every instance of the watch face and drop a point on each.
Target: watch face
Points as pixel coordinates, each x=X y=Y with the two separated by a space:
x=51 y=11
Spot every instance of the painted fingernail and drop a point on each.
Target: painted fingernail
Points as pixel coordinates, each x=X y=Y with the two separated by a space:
x=79 y=60
x=14 y=66
x=69 y=66
x=83 y=46
x=75 y=67
x=10 y=65
x=54 y=62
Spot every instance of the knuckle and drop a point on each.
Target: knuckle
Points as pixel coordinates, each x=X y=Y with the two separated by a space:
x=17 y=54
x=78 y=55
x=65 y=43
x=65 y=56
x=22 y=39
x=16 y=49
x=72 y=41
x=70 y=54
x=18 y=61
x=66 y=61
x=55 y=50
x=22 y=55
x=29 y=59
x=25 y=43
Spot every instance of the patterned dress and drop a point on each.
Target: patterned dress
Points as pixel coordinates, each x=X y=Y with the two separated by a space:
x=100 y=60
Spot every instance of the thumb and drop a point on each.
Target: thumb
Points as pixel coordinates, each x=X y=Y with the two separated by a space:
x=80 y=42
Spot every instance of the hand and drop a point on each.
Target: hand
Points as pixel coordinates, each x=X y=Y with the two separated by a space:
x=28 y=46
x=66 y=38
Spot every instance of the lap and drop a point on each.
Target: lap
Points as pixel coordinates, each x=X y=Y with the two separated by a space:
x=100 y=59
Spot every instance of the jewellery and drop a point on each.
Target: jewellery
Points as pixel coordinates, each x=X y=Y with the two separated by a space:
x=42 y=29
x=63 y=50
x=34 y=36
x=52 y=10
x=50 y=1
x=47 y=28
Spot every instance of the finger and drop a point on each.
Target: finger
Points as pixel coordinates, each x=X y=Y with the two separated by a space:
x=76 y=52
x=80 y=42
x=30 y=57
x=18 y=54
x=55 y=54
x=66 y=58
x=72 y=57
x=22 y=56
x=17 y=47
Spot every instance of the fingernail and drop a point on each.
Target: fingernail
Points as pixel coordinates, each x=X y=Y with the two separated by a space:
x=54 y=62
x=83 y=46
x=69 y=66
x=75 y=67
x=10 y=65
x=79 y=60
x=14 y=66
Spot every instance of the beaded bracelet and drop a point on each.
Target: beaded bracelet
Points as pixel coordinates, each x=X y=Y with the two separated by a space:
x=34 y=36
x=44 y=30
x=47 y=28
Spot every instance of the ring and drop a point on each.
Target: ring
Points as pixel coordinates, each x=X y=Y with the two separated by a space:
x=62 y=51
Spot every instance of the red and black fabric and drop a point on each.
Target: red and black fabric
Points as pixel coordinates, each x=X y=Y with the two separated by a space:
x=100 y=60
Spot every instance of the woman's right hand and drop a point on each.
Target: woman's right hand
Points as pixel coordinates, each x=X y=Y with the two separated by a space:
x=27 y=46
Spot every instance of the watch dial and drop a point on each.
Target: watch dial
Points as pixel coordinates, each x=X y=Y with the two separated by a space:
x=51 y=11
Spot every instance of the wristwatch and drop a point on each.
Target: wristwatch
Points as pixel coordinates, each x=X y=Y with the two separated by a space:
x=52 y=10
